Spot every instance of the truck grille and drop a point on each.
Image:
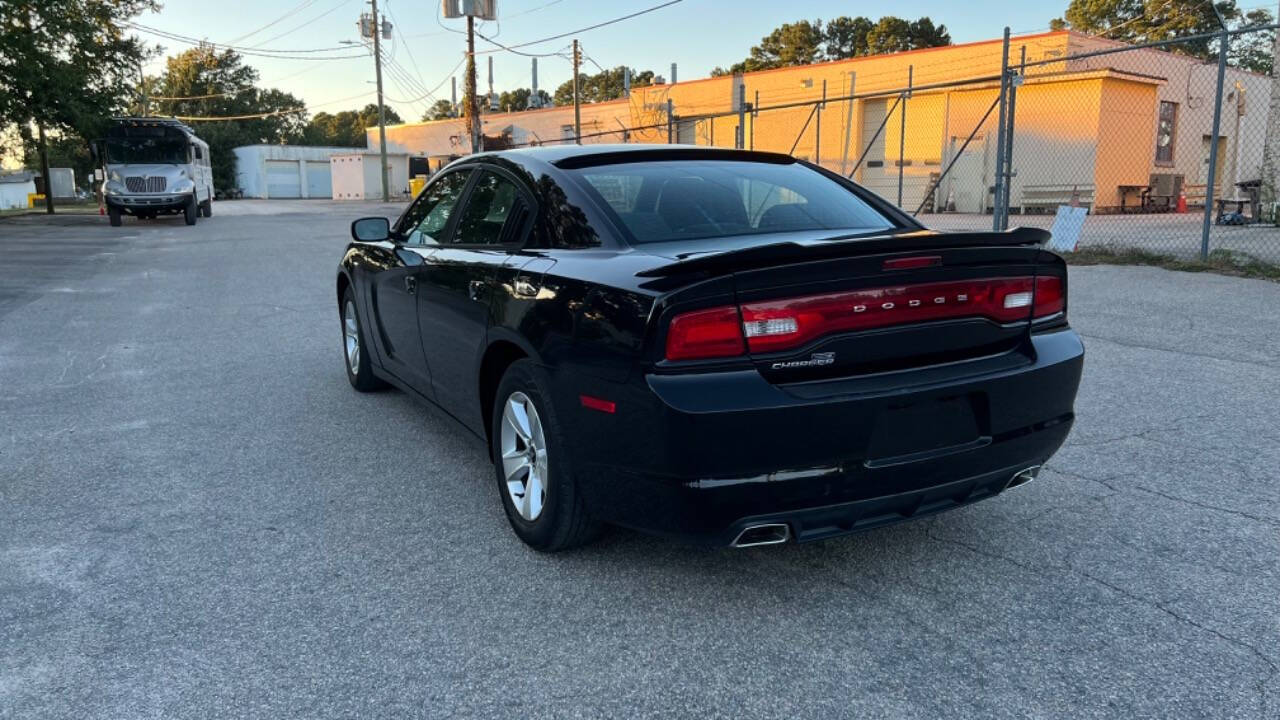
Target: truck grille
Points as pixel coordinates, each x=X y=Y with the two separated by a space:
x=145 y=184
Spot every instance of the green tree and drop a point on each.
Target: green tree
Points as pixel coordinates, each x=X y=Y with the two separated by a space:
x=66 y=66
x=604 y=85
x=1254 y=51
x=210 y=85
x=518 y=99
x=1142 y=21
x=805 y=42
x=347 y=128
x=441 y=110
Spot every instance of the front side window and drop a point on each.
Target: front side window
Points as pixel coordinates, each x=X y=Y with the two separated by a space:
x=492 y=201
x=696 y=199
x=427 y=220
x=1165 y=132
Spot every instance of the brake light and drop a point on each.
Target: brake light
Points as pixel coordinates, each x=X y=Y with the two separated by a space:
x=702 y=334
x=1050 y=299
x=782 y=324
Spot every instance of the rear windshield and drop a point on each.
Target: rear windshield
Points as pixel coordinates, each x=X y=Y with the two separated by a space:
x=693 y=199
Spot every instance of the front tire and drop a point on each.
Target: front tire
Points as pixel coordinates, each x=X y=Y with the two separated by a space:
x=190 y=210
x=206 y=207
x=113 y=216
x=534 y=470
x=359 y=373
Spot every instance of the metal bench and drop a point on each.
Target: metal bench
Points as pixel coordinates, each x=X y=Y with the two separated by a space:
x=1047 y=198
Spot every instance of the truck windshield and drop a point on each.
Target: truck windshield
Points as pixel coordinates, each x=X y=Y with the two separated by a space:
x=694 y=199
x=146 y=151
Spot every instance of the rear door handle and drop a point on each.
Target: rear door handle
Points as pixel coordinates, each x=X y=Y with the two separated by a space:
x=475 y=289
x=410 y=284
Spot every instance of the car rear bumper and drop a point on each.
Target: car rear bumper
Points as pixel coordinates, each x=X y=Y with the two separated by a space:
x=703 y=457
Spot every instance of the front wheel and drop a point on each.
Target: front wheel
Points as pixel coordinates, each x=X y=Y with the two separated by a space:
x=359 y=374
x=206 y=207
x=190 y=211
x=534 y=469
x=113 y=216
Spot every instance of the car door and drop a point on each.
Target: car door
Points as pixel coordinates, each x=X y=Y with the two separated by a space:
x=394 y=290
x=458 y=285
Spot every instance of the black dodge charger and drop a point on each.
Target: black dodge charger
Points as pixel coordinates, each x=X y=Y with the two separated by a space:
x=729 y=346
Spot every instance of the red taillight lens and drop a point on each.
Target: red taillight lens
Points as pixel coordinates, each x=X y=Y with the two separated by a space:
x=1050 y=299
x=782 y=324
x=705 y=334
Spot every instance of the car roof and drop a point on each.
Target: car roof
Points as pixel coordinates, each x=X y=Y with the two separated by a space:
x=568 y=156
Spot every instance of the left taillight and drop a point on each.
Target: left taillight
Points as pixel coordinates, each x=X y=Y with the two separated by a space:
x=705 y=334
x=1051 y=298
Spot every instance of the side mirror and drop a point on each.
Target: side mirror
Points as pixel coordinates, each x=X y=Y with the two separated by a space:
x=371 y=229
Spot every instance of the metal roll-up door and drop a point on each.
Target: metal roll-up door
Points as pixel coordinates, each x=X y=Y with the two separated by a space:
x=319 y=179
x=282 y=179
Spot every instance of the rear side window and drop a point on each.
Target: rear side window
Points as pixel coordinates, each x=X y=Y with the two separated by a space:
x=693 y=199
x=493 y=200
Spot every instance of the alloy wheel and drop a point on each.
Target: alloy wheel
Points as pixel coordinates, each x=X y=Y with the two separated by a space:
x=351 y=334
x=524 y=456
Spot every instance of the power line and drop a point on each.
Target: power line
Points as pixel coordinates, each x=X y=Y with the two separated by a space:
x=300 y=7
x=292 y=30
x=581 y=30
x=275 y=54
x=272 y=113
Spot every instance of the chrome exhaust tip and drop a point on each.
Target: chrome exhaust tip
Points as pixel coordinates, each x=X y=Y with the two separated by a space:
x=766 y=534
x=1022 y=477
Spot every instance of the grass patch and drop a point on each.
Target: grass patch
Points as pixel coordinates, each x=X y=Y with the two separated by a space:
x=1223 y=262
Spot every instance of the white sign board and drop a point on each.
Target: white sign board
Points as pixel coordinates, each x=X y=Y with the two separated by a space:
x=1066 y=228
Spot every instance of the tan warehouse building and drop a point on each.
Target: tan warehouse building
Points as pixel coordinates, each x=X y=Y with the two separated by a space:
x=1095 y=128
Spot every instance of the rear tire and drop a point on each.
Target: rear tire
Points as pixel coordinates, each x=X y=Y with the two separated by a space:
x=533 y=467
x=355 y=349
x=206 y=208
x=113 y=216
x=190 y=210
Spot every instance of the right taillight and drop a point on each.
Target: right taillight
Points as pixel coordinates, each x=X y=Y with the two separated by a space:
x=703 y=334
x=1050 y=299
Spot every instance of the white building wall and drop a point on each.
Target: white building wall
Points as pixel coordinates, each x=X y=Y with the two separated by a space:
x=355 y=176
x=14 y=194
x=251 y=164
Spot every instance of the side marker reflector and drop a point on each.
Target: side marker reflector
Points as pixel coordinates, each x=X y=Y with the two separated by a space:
x=595 y=403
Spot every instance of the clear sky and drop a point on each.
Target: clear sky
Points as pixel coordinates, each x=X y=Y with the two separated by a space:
x=695 y=34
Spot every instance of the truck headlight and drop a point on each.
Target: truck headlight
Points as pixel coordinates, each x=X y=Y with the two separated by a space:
x=183 y=185
x=113 y=187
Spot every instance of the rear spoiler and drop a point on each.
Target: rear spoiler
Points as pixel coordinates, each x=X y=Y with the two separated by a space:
x=848 y=246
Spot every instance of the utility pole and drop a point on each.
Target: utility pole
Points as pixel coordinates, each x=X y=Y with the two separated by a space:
x=382 y=115
x=473 y=107
x=577 y=95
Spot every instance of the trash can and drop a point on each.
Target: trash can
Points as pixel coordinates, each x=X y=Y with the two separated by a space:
x=1252 y=189
x=416 y=184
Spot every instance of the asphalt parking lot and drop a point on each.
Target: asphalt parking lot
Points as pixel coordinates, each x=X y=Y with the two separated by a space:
x=200 y=518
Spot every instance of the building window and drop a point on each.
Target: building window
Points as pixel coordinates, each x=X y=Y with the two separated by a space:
x=1165 y=132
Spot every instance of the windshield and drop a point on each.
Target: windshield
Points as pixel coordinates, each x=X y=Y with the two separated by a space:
x=137 y=151
x=694 y=199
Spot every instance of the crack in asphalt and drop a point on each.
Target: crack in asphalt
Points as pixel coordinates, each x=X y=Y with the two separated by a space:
x=1207 y=356
x=1154 y=604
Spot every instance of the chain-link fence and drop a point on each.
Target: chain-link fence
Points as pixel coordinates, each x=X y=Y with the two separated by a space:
x=1161 y=147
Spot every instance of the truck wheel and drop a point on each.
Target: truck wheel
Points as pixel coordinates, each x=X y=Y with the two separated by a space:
x=190 y=210
x=206 y=208
x=113 y=216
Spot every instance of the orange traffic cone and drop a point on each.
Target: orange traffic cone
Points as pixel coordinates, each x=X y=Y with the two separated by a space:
x=1182 y=201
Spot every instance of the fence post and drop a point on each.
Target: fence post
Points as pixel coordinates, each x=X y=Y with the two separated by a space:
x=1004 y=88
x=740 y=139
x=1007 y=185
x=902 y=130
x=755 y=113
x=817 y=130
x=848 y=125
x=1213 y=145
x=670 y=122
